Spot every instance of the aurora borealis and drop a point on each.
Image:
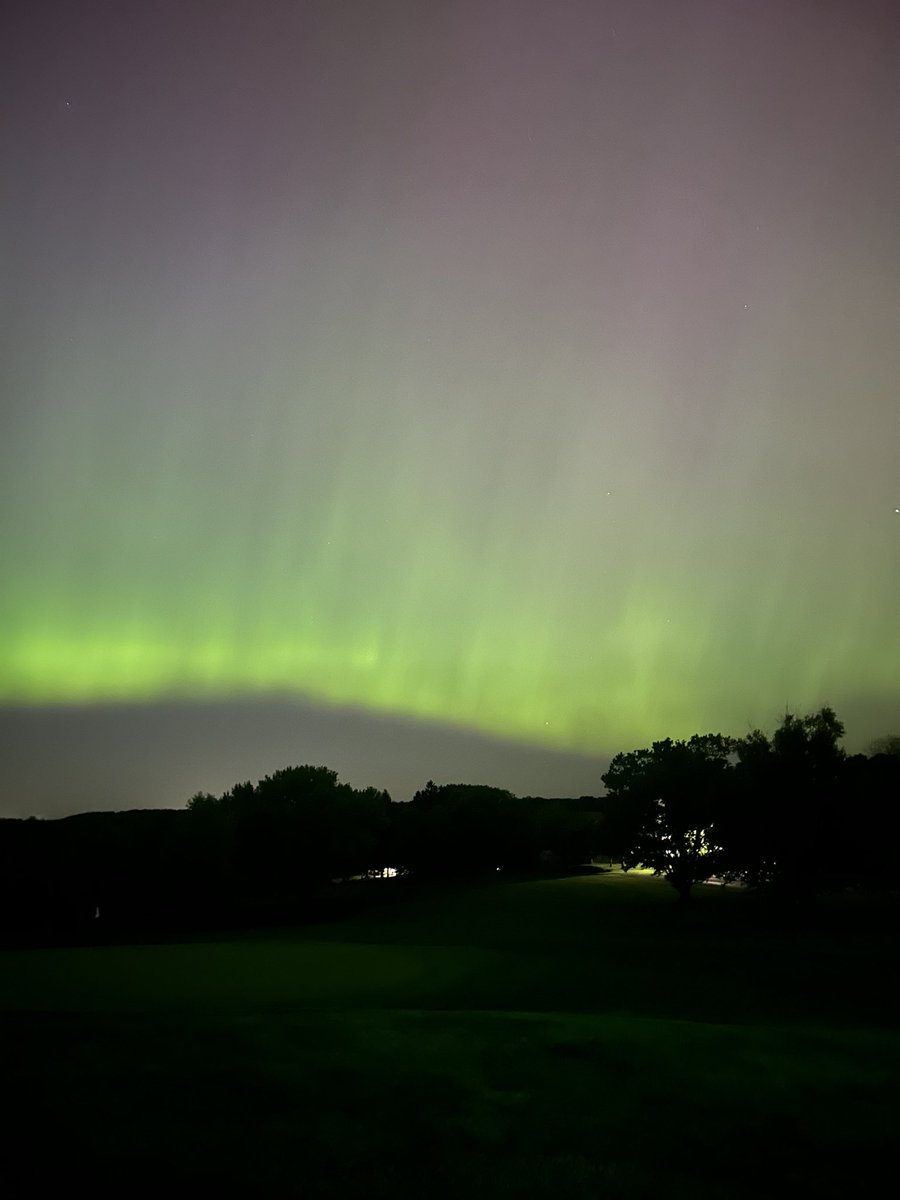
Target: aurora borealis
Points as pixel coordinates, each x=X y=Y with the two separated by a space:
x=522 y=367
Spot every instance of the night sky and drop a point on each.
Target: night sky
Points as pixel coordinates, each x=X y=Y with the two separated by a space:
x=466 y=390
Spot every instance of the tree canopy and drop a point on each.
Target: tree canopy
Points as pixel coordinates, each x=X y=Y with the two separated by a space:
x=669 y=798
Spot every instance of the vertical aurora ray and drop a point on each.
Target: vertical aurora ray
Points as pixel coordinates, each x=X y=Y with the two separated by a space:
x=529 y=368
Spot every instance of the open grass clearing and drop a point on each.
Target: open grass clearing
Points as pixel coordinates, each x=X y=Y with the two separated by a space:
x=583 y=944
x=575 y=1037
x=447 y=1104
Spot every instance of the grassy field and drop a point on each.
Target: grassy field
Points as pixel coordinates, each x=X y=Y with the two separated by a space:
x=577 y=1037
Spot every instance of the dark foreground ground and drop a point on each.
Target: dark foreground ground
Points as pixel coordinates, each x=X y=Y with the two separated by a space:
x=576 y=1037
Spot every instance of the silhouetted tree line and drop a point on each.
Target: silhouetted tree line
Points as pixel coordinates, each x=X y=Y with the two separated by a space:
x=270 y=852
x=791 y=814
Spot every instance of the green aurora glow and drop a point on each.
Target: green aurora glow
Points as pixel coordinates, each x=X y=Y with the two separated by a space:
x=395 y=430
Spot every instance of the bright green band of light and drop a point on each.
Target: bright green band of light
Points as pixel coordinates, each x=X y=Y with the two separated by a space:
x=531 y=375
x=528 y=606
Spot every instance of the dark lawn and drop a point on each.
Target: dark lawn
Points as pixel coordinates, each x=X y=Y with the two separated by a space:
x=573 y=1038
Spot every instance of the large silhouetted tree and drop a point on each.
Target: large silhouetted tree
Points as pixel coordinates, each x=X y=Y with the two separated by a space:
x=666 y=802
x=456 y=829
x=868 y=821
x=277 y=840
x=783 y=831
